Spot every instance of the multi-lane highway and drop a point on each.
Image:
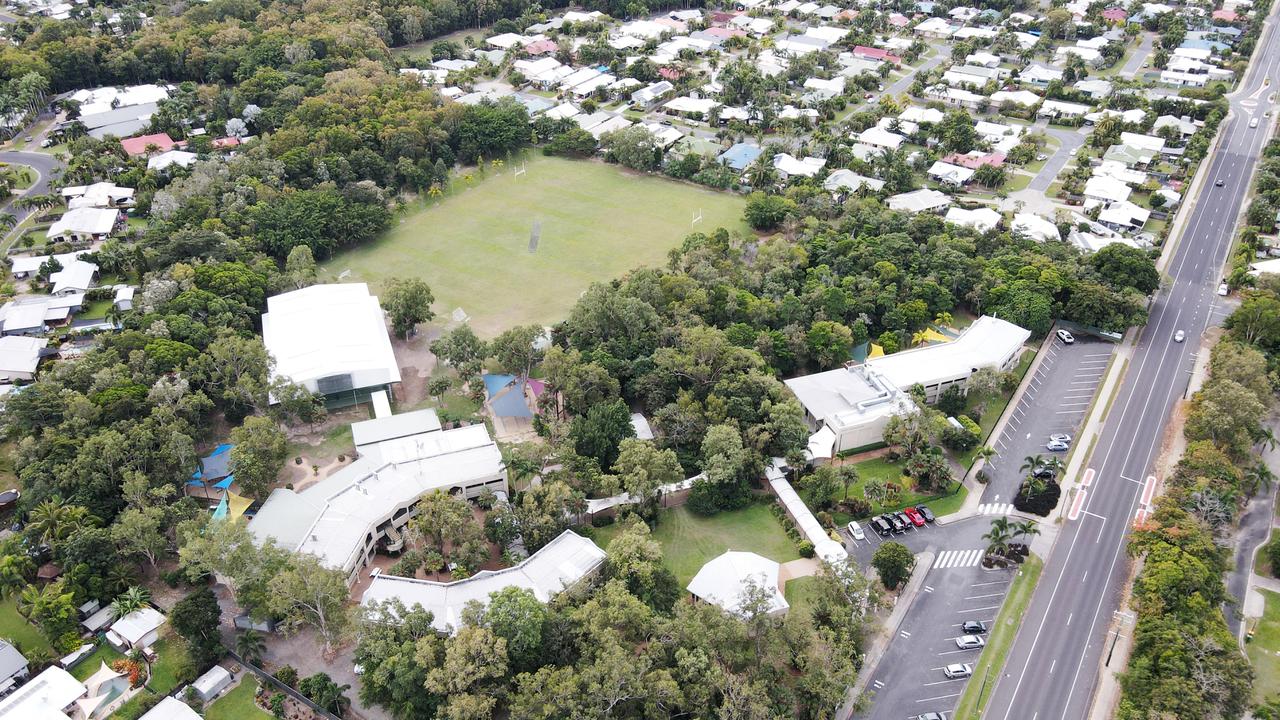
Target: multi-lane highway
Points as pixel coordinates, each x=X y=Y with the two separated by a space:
x=1053 y=667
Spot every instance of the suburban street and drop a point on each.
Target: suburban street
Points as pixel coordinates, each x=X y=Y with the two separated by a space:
x=43 y=164
x=1255 y=525
x=1069 y=141
x=1053 y=667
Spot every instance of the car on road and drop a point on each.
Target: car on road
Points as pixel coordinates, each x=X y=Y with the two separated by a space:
x=974 y=627
x=1063 y=437
x=881 y=526
x=1073 y=152
x=926 y=512
x=856 y=531
x=970 y=642
x=1224 y=289
x=958 y=670
x=1253 y=123
x=914 y=516
x=1179 y=336
x=1057 y=446
x=1217 y=183
x=1065 y=336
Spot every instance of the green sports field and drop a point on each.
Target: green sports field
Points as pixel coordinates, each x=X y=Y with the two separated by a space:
x=595 y=221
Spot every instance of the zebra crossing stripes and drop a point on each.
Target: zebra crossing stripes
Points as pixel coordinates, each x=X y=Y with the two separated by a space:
x=957 y=559
x=995 y=509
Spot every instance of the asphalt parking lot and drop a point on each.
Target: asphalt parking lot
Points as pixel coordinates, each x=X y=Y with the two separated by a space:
x=909 y=679
x=1056 y=400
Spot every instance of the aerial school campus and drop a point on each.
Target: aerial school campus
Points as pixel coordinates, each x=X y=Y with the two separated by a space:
x=754 y=359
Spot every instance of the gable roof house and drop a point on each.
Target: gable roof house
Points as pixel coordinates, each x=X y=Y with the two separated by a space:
x=36 y=314
x=332 y=339
x=85 y=224
x=51 y=695
x=74 y=277
x=918 y=201
x=138 y=630
x=148 y=144
x=19 y=358
x=13 y=667
x=948 y=174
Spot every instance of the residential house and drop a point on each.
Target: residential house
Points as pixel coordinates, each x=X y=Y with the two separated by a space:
x=973 y=76
x=879 y=137
x=1095 y=89
x=1189 y=72
x=921 y=115
x=166 y=160
x=1124 y=216
x=935 y=28
x=1040 y=75
x=171 y=708
x=1060 y=109
x=97 y=195
x=26 y=266
x=1104 y=191
x=138 y=630
x=957 y=97
x=1185 y=126
x=75 y=277
x=118 y=111
x=982 y=219
x=148 y=144
x=1035 y=227
x=51 y=695
x=789 y=166
x=85 y=224
x=211 y=684
x=36 y=314
x=13 y=664
x=1021 y=98
x=877 y=54
x=918 y=201
x=734 y=579
x=1130 y=156
x=843 y=181
x=948 y=174
x=1090 y=56
x=982 y=59
x=740 y=156
x=650 y=94
x=975 y=159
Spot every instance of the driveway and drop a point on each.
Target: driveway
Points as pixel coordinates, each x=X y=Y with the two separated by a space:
x=1068 y=142
x=1139 y=56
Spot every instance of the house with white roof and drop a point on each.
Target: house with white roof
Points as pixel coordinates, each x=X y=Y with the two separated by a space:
x=726 y=580
x=843 y=181
x=1124 y=216
x=13 y=667
x=935 y=27
x=74 y=277
x=97 y=195
x=852 y=404
x=1184 y=71
x=19 y=357
x=1035 y=227
x=820 y=89
x=1021 y=98
x=983 y=59
x=921 y=115
x=25 y=266
x=918 y=201
x=51 y=695
x=1118 y=171
x=948 y=174
x=1101 y=190
x=1093 y=242
x=138 y=630
x=1039 y=75
x=972 y=76
x=171 y=708
x=1095 y=89
x=168 y=159
x=957 y=97
x=1058 y=108
x=982 y=219
x=85 y=224
x=799 y=45
x=650 y=94
x=690 y=106
x=877 y=136
x=1185 y=125
x=831 y=35
x=331 y=339
x=789 y=166
x=344 y=517
x=1090 y=56
x=561 y=564
x=36 y=314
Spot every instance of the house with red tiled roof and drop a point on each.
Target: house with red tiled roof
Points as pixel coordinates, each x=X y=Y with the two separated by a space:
x=541 y=47
x=870 y=53
x=140 y=144
x=1225 y=15
x=1115 y=15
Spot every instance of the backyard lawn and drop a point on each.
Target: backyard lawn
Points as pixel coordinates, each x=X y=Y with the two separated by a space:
x=688 y=541
x=799 y=593
x=593 y=223
x=15 y=628
x=237 y=704
x=88 y=666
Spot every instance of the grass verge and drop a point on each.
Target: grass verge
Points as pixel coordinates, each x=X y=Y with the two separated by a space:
x=1263 y=649
x=991 y=663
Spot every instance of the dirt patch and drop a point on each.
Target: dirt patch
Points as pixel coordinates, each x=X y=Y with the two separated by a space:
x=417 y=363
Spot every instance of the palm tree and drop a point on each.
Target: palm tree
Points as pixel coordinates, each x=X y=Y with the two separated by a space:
x=53 y=520
x=1257 y=477
x=249 y=645
x=1267 y=437
x=1031 y=462
x=998 y=537
x=14 y=571
x=131 y=600
x=986 y=452
x=1026 y=528
x=8 y=221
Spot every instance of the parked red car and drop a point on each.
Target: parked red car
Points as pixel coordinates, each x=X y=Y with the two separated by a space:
x=914 y=516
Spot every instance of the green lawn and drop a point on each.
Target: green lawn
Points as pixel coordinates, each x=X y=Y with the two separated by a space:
x=163 y=671
x=596 y=222
x=890 y=473
x=96 y=309
x=1018 y=182
x=688 y=541
x=1264 y=649
x=15 y=628
x=1261 y=565
x=799 y=593
x=237 y=704
x=90 y=665
x=991 y=663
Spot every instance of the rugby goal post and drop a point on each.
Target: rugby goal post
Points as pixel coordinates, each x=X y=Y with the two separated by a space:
x=518 y=171
x=697 y=217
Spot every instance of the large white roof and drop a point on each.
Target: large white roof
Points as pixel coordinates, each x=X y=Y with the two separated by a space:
x=43 y=697
x=75 y=275
x=327 y=330
x=27 y=264
x=86 y=220
x=171 y=708
x=331 y=518
x=560 y=564
x=988 y=342
x=20 y=354
x=847 y=397
x=724 y=580
x=135 y=626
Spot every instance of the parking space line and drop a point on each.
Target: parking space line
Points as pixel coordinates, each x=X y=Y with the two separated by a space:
x=954 y=652
x=940 y=697
x=993 y=582
x=984 y=597
x=943 y=682
x=974 y=610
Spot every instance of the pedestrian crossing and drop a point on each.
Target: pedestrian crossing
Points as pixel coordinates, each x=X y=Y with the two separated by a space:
x=995 y=509
x=957 y=559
